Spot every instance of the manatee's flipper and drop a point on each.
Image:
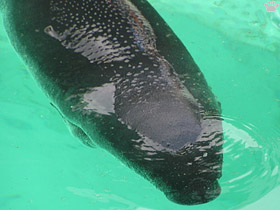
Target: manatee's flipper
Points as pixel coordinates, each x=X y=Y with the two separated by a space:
x=75 y=130
x=120 y=75
x=79 y=133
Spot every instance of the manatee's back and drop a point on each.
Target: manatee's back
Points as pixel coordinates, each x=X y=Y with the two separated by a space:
x=118 y=73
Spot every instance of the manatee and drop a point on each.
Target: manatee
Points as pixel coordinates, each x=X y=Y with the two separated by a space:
x=123 y=80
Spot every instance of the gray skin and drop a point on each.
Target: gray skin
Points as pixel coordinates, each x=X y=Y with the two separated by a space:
x=122 y=79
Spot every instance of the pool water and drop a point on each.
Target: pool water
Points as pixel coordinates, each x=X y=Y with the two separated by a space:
x=236 y=44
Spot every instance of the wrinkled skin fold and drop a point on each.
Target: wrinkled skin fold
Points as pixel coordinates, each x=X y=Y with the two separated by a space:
x=122 y=80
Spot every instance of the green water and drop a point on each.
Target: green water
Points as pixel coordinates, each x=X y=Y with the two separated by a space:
x=236 y=46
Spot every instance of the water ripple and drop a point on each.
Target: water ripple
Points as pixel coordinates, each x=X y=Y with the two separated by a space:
x=251 y=162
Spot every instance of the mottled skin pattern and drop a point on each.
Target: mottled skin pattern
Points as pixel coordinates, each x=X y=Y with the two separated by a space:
x=121 y=79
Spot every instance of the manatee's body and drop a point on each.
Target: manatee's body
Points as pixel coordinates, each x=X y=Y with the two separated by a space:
x=122 y=80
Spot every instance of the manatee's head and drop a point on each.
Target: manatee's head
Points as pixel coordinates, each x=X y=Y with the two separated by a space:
x=183 y=143
x=181 y=131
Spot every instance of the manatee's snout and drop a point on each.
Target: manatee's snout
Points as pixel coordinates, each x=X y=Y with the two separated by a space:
x=198 y=191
